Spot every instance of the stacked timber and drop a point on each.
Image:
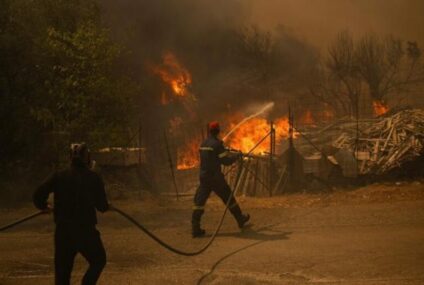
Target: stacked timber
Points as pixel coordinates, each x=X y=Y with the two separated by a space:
x=379 y=144
x=387 y=143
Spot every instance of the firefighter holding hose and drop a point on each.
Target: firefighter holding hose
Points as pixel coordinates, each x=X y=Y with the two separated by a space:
x=212 y=155
x=78 y=193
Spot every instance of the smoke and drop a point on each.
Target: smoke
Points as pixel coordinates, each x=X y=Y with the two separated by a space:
x=243 y=52
x=320 y=21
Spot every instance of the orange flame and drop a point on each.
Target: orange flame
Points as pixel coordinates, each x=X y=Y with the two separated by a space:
x=244 y=139
x=174 y=74
x=250 y=133
x=380 y=108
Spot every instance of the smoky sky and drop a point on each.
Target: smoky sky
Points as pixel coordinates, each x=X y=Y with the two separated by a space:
x=318 y=21
x=202 y=33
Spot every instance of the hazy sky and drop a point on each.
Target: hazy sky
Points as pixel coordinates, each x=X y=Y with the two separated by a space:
x=318 y=21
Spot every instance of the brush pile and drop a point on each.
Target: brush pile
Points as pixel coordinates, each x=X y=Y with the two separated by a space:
x=382 y=143
x=385 y=143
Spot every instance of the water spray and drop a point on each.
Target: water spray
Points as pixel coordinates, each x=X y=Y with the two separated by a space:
x=260 y=112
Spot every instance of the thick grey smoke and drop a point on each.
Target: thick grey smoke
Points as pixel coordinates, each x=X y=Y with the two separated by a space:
x=319 y=21
x=244 y=52
x=233 y=61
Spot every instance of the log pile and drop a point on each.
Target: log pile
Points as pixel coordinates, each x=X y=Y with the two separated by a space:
x=386 y=143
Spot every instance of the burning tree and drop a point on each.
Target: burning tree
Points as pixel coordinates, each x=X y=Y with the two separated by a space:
x=387 y=67
x=344 y=79
x=373 y=66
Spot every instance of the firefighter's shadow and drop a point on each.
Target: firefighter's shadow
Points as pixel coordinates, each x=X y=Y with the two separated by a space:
x=265 y=233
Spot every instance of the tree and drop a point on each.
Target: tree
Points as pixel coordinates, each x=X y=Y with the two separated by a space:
x=387 y=67
x=326 y=89
x=273 y=64
x=344 y=73
x=57 y=73
x=378 y=67
x=85 y=94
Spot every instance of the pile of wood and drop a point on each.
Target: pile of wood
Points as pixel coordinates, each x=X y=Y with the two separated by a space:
x=385 y=143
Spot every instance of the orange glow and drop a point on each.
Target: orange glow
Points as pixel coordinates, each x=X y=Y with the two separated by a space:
x=188 y=155
x=307 y=118
x=164 y=99
x=327 y=114
x=244 y=139
x=174 y=74
x=174 y=125
x=250 y=133
x=380 y=108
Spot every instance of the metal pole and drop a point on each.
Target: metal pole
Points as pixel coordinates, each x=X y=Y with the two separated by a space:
x=271 y=156
x=357 y=134
x=171 y=165
x=290 y=162
x=139 y=144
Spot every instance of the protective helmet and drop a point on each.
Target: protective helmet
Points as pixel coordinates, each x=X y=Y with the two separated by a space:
x=214 y=127
x=80 y=154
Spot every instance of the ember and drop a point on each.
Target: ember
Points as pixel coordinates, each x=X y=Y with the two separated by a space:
x=379 y=108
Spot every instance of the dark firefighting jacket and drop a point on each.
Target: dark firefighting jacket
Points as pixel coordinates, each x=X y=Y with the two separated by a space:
x=78 y=192
x=212 y=155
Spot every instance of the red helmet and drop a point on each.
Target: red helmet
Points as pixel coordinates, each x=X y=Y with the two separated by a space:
x=213 y=126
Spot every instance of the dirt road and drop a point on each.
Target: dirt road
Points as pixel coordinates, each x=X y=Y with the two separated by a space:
x=373 y=235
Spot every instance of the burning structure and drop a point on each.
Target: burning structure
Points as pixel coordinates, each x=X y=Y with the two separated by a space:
x=282 y=149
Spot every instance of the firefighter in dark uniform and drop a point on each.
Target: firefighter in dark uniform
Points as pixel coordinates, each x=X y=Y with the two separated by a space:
x=212 y=155
x=78 y=193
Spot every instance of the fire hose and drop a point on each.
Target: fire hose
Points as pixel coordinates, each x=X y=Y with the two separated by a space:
x=176 y=250
x=150 y=234
x=146 y=231
x=20 y=221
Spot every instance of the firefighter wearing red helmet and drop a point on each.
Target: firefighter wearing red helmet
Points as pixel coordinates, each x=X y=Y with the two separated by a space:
x=212 y=155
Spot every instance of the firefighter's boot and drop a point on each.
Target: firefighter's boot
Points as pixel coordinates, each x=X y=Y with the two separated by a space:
x=196 y=230
x=241 y=219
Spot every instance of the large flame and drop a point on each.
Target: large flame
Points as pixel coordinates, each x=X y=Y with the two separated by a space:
x=250 y=133
x=244 y=139
x=174 y=74
x=380 y=108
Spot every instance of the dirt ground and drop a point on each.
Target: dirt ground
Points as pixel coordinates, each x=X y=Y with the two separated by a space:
x=372 y=235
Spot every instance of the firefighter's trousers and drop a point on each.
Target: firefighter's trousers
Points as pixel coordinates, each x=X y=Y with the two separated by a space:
x=72 y=239
x=221 y=188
